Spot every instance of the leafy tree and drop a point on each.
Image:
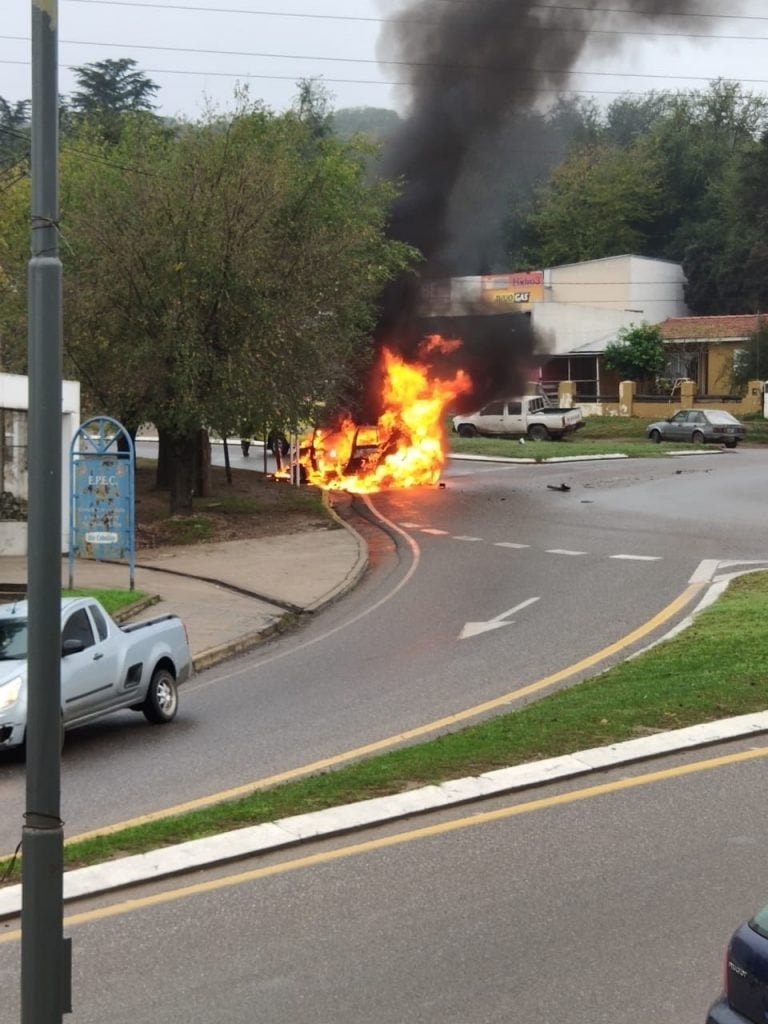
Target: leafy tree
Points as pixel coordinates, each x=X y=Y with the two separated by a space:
x=313 y=108
x=650 y=178
x=726 y=263
x=228 y=273
x=629 y=118
x=14 y=132
x=751 y=361
x=574 y=120
x=14 y=258
x=377 y=123
x=638 y=354
x=110 y=89
x=599 y=202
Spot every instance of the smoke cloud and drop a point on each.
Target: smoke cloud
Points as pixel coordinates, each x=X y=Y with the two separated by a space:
x=475 y=68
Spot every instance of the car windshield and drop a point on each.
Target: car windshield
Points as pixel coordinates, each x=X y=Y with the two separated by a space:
x=13 y=639
x=721 y=417
x=759 y=922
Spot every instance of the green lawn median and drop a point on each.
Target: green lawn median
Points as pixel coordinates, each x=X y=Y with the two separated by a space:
x=599 y=437
x=714 y=669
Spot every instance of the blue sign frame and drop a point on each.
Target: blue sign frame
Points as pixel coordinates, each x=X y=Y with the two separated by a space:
x=102 y=495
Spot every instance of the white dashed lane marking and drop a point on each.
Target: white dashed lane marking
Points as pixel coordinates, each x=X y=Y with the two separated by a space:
x=513 y=545
x=637 y=558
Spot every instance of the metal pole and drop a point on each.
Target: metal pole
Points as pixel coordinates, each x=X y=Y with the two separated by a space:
x=44 y=953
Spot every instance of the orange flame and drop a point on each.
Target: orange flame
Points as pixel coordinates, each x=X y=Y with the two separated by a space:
x=407 y=445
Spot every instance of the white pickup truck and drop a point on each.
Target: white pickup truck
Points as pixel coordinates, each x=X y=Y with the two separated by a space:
x=529 y=416
x=104 y=667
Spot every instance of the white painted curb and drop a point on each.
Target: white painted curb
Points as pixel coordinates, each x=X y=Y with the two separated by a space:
x=242 y=843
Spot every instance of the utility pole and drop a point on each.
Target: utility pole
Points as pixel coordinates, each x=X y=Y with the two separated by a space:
x=45 y=955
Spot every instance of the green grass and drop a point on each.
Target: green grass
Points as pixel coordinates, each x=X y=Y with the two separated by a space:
x=628 y=428
x=576 y=446
x=114 y=601
x=715 y=669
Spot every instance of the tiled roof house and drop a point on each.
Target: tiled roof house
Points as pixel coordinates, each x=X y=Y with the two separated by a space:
x=703 y=347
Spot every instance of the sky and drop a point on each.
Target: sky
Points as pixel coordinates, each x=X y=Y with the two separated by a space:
x=198 y=51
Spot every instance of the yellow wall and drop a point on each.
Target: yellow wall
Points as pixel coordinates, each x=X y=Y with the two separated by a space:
x=719 y=368
x=752 y=401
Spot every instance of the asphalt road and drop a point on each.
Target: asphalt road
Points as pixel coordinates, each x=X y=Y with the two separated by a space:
x=607 y=899
x=584 y=568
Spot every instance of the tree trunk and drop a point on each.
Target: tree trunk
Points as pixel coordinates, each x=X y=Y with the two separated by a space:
x=227 y=466
x=202 y=464
x=122 y=441
x=183 y=459
x=164 y=470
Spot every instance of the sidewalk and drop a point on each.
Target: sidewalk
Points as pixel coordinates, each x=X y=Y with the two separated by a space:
x=233 y=595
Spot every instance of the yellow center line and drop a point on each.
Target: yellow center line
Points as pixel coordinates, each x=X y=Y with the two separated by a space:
x=428 y=832
x=410 y=734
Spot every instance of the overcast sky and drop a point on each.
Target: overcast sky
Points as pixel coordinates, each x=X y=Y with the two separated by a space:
x=272 y=43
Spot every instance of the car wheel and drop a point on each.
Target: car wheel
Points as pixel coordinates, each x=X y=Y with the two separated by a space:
x=467 y=430
x=538 y=432
x=162 y=700
x=697 y=437
x=655 y=436
x=731 y=444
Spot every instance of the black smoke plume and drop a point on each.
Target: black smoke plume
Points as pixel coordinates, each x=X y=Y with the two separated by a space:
x=474 y=69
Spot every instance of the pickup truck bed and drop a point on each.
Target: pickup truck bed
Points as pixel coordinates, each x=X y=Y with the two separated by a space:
x=528 y=416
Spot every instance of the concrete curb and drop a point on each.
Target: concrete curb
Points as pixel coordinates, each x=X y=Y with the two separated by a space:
x=574 y=458
x=287 y=832
x=246 y=642
x=215 y=655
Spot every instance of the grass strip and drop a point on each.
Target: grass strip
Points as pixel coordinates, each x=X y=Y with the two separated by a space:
x=600 y=435
x=113 y=601
x=712 y=670
x=511 y=448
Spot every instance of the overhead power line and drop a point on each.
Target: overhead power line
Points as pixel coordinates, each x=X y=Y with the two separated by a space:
x=367 y=60
x=248 y=75
x=590 y=30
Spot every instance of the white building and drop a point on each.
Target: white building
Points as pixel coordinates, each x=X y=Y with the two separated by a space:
x=15 y=457
x=584 y=305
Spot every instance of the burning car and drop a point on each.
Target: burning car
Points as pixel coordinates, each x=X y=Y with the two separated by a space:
x=404 y=448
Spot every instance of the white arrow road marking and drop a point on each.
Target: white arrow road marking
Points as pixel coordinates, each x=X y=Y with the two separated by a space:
x=435 y=533
x=564 y=551
x=509 y=544
x=467 y=538
x=475 y=628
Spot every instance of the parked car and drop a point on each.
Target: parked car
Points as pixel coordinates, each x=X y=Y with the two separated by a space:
x=530 y=416
x=745 y=984
x=104 y=667
x=698 y=426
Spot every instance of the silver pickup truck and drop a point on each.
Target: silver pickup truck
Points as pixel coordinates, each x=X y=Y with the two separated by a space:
x=529 y=416
x=104 y=667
